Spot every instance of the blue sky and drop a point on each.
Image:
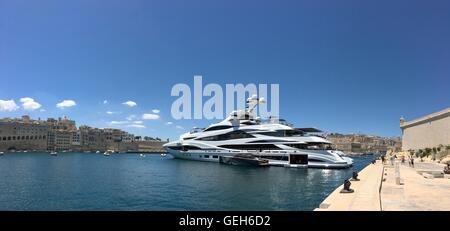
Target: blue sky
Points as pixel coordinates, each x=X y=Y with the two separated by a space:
x=343 y=66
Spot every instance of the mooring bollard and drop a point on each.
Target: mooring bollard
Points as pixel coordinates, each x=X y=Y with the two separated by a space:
x=355 y=176
x=347 y=188
x=397 y=173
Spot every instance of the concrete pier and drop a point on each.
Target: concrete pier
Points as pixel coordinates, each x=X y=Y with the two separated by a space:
x=382 y=188
x=416 y=192
x=366 y=196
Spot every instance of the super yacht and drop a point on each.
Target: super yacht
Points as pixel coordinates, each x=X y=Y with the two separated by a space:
x=274 y=139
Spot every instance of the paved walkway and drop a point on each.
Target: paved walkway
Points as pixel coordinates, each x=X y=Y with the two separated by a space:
x=415 y=193
x=366 y=196
x=379 y=191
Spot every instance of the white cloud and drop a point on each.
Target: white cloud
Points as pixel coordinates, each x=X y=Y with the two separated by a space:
x=179 y=127
x=126 y=122
x=66 y=103
x=156 y=111
x=105 y=101
x=169 y=123
x=8 y=105
x=150 y=116
x=109 y=112
x=29 y=104
x=42 y=110
x=136 y=126
x=130 y=104
x=118 y=122
x=131 y=117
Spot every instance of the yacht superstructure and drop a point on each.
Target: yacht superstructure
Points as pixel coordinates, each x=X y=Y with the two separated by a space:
x=274 y=140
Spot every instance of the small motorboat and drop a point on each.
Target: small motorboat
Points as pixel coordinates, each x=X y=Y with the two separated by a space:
x=163 y=154
x=97 y=152
x=141 y=155
x=53 y=153
x=108 y=153
x=1 y=153
x=244 y=159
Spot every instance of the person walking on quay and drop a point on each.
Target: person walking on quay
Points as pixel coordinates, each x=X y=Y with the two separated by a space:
x=447 y=168
x=412 y=162
x=392 y=160
x=382 y=159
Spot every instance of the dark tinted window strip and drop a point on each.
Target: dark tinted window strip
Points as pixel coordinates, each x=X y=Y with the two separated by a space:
x=269 y=141
x=228 y=136
x=217 y=128
x=251 y=147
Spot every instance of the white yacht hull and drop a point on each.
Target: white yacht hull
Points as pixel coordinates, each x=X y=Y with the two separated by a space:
x=315 y=159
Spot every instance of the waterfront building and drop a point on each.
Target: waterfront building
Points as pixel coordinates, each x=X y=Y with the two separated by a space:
x=51 y=140
x=96 y=140
x=62 y=124
x=360 y=143
x=75 y=139
x=63 y=140
x=127 y=137
x=62 y=135
x=23 y=134
x=428 y=131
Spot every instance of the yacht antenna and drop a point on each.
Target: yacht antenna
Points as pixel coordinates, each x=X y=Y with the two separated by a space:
x=253 y=101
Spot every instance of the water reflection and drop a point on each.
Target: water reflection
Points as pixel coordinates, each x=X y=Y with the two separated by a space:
x=78 y=181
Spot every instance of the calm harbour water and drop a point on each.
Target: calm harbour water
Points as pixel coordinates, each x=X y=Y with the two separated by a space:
x=83 y=181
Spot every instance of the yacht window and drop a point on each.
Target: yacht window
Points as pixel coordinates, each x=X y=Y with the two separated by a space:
x=249 y=130
x=274 y=133
x=269 y=141
x=277 y=157
x=175 y=147
x=190 y=147
x=215 y=157
x=283 y=133
x=259 y=147
x=228 y=136
x=206 y=156
x=311 y=146
x=312 y=160
x=294 y=133
x=221 y=127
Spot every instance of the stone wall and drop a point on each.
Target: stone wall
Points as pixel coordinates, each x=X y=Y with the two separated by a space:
x=151 y=146
x=18 y=136
x=427 y=132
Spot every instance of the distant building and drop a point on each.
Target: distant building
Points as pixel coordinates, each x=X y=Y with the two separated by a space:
x=23 y=134
x=60 y=134
x=63 y=140
x=356 y=147
x=76 y=138
x=360 y=143
x=96 y=139
x=63 y=135
x=127 y=137
x=426 y=132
